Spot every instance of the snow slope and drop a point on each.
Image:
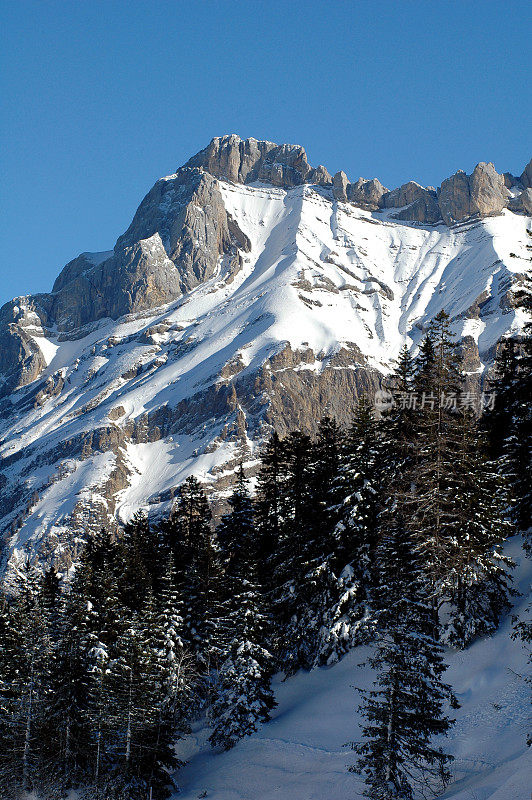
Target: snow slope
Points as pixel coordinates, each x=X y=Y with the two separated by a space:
x=319 y=275
x=300 y=753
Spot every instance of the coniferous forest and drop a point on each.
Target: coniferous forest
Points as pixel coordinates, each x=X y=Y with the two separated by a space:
x=389 y=533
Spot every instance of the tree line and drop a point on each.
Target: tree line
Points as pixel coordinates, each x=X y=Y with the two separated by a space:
x=389 y=533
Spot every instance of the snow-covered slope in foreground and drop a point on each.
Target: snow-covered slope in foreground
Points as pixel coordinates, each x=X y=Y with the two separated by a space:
x=300 y=753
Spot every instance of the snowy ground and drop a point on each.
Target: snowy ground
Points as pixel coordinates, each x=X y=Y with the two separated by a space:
x=300 y=754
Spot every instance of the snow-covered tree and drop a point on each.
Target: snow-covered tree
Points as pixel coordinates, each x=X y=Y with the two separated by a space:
x=243 y=697
x=357 y=491
x=405 y=709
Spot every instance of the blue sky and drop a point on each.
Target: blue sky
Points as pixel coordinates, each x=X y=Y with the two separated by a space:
x=101 y=98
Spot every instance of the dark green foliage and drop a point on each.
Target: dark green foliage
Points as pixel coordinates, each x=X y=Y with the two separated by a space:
x=243 y=697
x=406 y=707
x=355 y=494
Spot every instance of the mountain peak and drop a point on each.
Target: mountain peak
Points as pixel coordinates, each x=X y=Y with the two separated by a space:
x=248 y=160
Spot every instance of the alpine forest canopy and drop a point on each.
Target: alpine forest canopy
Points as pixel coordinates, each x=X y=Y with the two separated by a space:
x=386 y=533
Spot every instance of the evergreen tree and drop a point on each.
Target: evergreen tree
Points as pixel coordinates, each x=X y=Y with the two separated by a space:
x=509 y=423
x=399 y=425
x=271 y=506
x=358 y=486
x=429 y=502
x=477 y=586
x=198 y=575
x=449 y=497
x=296 y=558
x=243 y=696
x=28 y=685
x=405 y=709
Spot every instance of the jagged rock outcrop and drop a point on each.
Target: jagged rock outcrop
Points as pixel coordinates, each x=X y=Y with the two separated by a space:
x=522 y=204
x=366 y=194
x=462 y=196
x=404 y=195
x=21 y=360
x=245 y=161
x=417 y=204
x=175 y=242
x=526 y=177
x=340 y=184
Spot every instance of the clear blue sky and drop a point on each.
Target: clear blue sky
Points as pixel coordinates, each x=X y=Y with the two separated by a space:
x=101 y=98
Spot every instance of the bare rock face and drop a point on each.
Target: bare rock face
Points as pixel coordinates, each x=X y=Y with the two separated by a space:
x=462 y=196
x=21 y=361
x=417 y=204
x=366 y=194
x=522 y=204
x=340 y=184
x=403 y=196
x=320 y=176
x=175 y=241
x=526 y=177
x=245 y=161
x=454 y=198
x=488 y=193
x=425 y=210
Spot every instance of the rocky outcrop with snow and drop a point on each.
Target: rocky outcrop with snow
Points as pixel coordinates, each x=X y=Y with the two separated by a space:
x=250 y=291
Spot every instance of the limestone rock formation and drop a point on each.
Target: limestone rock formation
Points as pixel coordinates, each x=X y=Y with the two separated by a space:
x=246 y=161
x=462 y=196
x=417 y=204
x=340 y=183
x=403 y=196
x=424 y=209
x=526 y=177
x=241 y=298
x=366 y=194
x=522 y=204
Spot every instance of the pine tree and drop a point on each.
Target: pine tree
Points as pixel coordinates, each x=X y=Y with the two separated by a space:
x=198 y=574
x=28 y=686
x=405 y=709
x=294 y=579
x=270 y=506
x=11 y=655
x=399 y=425
x=477 y=587
x=177 y=675
x=357 y=486
x=428 y=502
x=509 y=423
x=243 y=695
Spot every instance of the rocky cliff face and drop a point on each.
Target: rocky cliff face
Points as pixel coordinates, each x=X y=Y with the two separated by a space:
x=250 y=291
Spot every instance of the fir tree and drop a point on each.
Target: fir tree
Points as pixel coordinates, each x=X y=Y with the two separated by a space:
x=477 y=587
x=296 y=557
x=405 y=709
x=198 y=574
x=358 y=488
x=509 y=423
x=270 y=506
x=28 y=686
x=243 y=696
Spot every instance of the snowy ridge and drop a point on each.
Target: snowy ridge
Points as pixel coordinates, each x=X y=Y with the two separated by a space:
x=319 y=275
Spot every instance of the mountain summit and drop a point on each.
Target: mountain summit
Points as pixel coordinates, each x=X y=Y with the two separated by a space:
x=250 y=291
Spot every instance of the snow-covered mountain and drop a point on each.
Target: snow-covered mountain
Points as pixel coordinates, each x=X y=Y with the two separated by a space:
x=249 y=291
